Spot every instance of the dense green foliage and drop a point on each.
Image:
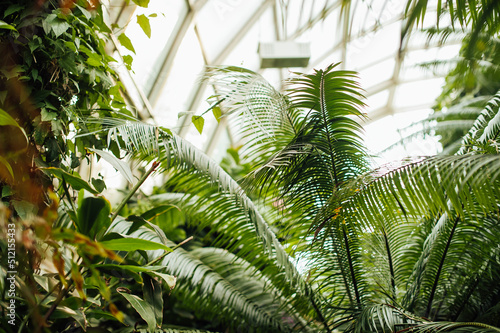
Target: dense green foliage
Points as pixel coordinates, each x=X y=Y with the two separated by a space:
x=292 y=232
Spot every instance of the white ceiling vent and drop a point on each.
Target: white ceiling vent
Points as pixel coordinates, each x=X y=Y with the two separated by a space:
x=284 y=54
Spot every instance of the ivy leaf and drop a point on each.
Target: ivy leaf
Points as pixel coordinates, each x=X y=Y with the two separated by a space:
x=217 y=113
x=127 y=60
x=85 y=12
x=94 y=60
x=4 y=25
x=144 y=23
x=198 y=122
x=126 y=42
x=58 y=26
x=141 y=3
x=47 y=115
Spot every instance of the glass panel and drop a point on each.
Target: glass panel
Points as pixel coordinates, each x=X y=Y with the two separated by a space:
x=377 y=101
x=389 y=130
x=184 y=75
x=220 y=20
x=374 y=46
x=376 y=74
x=150 y=51
x=422 y=92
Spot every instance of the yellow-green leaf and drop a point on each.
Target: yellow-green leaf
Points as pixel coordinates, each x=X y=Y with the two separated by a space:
x=133 y=244
x=143 y=21
x=126 y=42
x=141 y=3
x=4 y=25
x=217 y=113
x=198 y=122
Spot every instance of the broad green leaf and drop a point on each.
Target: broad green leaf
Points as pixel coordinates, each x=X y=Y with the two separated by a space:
x=217 y=113
x=73 y=180
x=99 y=314
x=12 y=72
x=143 y=309
x=126 y=42
x=43 y=281
x=133 y=244
x=152 y=292
x=94 y=60
x=144 y=23
x=198 y=122
x=4 y=25
x=6 y=119
x=142 y=3
x=139 y=220
x=93 y=216
x=118 y=164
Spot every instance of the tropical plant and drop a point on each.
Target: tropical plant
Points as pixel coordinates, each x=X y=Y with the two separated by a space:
x=59 y=267
x=383 y=250
x=384 y=244
x=310 y=240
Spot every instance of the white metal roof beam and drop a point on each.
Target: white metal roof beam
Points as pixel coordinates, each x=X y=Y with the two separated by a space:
x=179 y=33
x=199 y=88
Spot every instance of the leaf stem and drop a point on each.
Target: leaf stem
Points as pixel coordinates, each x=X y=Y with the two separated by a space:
x=166 y=253
x=134 y=189
x=60 y=297
x=443 y=257
x=351 y=266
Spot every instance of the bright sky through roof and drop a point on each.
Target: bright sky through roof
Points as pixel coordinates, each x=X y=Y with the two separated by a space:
x=187 y=35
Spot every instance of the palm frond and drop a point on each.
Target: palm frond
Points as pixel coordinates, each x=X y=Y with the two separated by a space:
x=479 y=15
x=486 y=127
x=247 y=94
x=452 y=194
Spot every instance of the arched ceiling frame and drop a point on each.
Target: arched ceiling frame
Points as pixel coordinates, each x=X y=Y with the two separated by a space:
x=345 y=10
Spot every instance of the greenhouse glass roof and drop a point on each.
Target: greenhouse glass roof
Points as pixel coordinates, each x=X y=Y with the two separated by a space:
x=365 y=36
